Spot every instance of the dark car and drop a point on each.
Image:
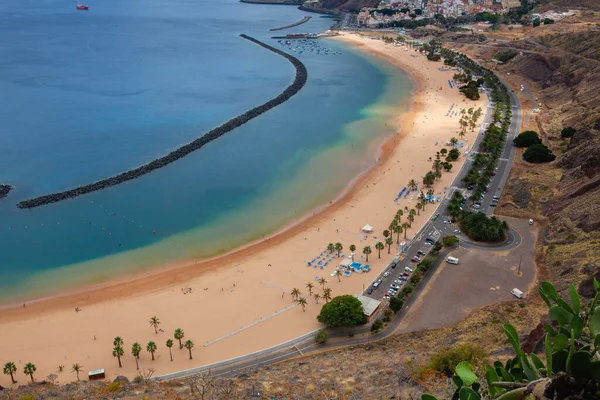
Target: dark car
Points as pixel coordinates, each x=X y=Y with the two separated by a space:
x=493 y=205
x=470 y=187
x=393 y=265
x=430 y=240
x=421 y=252
x=370 y=291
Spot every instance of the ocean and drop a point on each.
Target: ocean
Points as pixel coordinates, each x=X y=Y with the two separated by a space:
x=89 y=94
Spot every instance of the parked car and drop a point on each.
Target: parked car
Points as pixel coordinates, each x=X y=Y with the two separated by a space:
x=470 y=187
x=386 y=274
x=403 y=278
x=387 y=297
x=370 y=291
x=493 y=204
x=496 y=198
x=476 y=205
x=408 y=269
x=429 y=240
x=398 y=282
x=394 y=265
x=395 y=287
x=405 y=274
x=421 y=252
x=414 y=259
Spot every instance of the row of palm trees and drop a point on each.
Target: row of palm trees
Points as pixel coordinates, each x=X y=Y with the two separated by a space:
x=151 y=347
x=29 y=369
x=296 y=294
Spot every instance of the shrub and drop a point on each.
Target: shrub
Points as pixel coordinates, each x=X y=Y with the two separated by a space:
x=567 y=132
x=548 y=21
x=526 y=139
x=447 y=359
x=506 y=55
x=321 y=336
x=114 y=387
x=453 y=155
x=449 y=240
x=480 y=227
x=536 y=22
x=27 y=397
x=396 y=304
x=377 y=325
x=344 y=310
x=470 y=90
x=538 y=153
x=351 y=334
x=429 y=178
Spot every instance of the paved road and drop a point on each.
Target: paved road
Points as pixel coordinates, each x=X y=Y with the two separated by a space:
x=337 y=338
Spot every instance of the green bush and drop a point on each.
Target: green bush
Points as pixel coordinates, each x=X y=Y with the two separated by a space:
x=506 y=55
x=538 y=153
x=567 y=132
x=396 y=304
x=446 y=360
x=114 y=387
x=526 y=139
x=449 y=240
x=321 y=337
x=27 y=397
x=536 y=22
x=470 y=90
x=480 y=227
x=453 y=155
x=344 y=310
x=377 y=325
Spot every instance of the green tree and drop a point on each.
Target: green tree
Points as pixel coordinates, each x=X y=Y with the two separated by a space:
x=118 y=352
x=366 y=251
x=398 y=231
x=10 y=369
x=449 y=240
x=443 y=152
x=317 y=296
x=396 y=304
x=295 y=293
x=405 y=226
x=136 y=349
x=179 y=334
x=302 y=302
x=453 y=142
x=170 y=345
x=412 y=185
x=567 y=132
x=330 y=247
x=389 y=242
x=352 y=250
x=429 y=178
x=526 y=139
x=326 y=294
x=77 y=369
x=338 y=274
x=447 y=166
x=151 y=348
x=399 y=215
x=321 y=337
x=118 y=341
x=189 y=345
x=155 y=322
x=310 y=287
x=322 y=282
x=387 y=233
x=29 y=369
x=536 y=22
x=538 y=153
x=379 y=246
x=338 y=248
x=453 y=155
x=343 y=310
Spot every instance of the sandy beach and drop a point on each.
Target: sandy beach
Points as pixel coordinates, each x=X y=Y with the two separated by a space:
x=240 y=302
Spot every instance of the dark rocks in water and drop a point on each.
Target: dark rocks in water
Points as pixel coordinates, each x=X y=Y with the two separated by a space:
x=299 y=82
x=4 y=189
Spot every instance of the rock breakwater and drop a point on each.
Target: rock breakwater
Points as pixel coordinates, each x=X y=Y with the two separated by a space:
x=303 y=20
x=298 y=83
x=4 y=189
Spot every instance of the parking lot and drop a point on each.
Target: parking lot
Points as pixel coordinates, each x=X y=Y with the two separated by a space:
x=483 y=276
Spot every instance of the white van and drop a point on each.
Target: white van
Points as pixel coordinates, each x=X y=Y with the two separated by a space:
x=517 y=293
x=530 y=221
x=452 y=260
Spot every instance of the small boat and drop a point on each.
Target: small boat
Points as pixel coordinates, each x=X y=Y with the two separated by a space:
x=80 y=6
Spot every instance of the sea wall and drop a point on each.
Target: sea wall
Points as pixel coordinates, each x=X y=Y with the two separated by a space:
x=4 y=189
x=319 y=10
x=303 y=20
x=291 y=90
x=282 y=2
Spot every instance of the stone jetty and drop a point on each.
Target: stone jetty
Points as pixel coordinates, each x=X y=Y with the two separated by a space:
x=4 y=189
x=303 y=20
x=291 y=90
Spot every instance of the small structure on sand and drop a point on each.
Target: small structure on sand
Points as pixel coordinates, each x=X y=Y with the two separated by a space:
x=96 y=374
x=367 y=228
x=370 y=306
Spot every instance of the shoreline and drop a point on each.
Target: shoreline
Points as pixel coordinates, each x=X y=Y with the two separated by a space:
x=261 y=269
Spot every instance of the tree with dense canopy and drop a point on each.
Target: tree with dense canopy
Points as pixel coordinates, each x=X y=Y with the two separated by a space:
x=567 y=132
x=343 y=310
x=480 y=227
x=179 y=334
x=379 y=246
x=10 y=369
x=352 y=250
x=389 y=242
x=338 y=248
x=29 y=369
x=151 y=348
x=429 y=178
x=366 y=251
x=189 y=345
x=538 y=153
x=526 y=139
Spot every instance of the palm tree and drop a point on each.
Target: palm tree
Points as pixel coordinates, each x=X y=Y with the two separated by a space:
x=387 y=233
x=398 y=231
x=367 y=250
x=322 y=282
x=77 y=369
x=379 y=246
x=136 y=349
x=118 y=352
x=453 y=141
x=118 y=341
x=330 y=247
x=327 y=294
x=189 y=345
x=317 y=296
x=389 y=241
x=410 y=218
x=169 y=345
x=405 y=225
x=10 y=369
x=338 y=273
x=399 y=215
x=302 y=302
x=155 y=322
x=418 y=206
x=179 y=335
x=352 y=250
x=430 y=193
x=310 y=287
x=422 y=198
x=29 y=369
x=339 y=247
x=151 y=348
x=412 y=184
x=296 y=293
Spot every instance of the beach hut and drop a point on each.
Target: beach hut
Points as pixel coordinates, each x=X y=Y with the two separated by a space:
x=366 y=267
x=96 y=374
x=367 y=228
x=345 y=263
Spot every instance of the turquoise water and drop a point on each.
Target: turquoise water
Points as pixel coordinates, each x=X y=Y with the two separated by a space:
x=85 y=95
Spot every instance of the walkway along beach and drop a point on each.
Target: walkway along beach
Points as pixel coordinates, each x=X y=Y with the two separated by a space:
x=231 y=293
x=297 y=84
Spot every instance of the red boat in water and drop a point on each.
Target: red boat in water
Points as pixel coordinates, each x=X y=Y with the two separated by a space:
x=81 y=7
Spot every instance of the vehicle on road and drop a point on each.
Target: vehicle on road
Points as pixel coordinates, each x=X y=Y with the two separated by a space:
x=493 y=204
x=407 y=269
x=496 y=198
x=414 y=259
x=387 y=297
x=386 y=274
x=530 y=221
x=398 y=282
x=370 y=291
x=517 y=293
x=395 y=287
x=421 y=252
x=452 y=260
x=429 y=240
x=376 y=284
x=476 y=205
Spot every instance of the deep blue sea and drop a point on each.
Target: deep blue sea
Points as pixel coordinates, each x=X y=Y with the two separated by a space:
x=88 y=94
